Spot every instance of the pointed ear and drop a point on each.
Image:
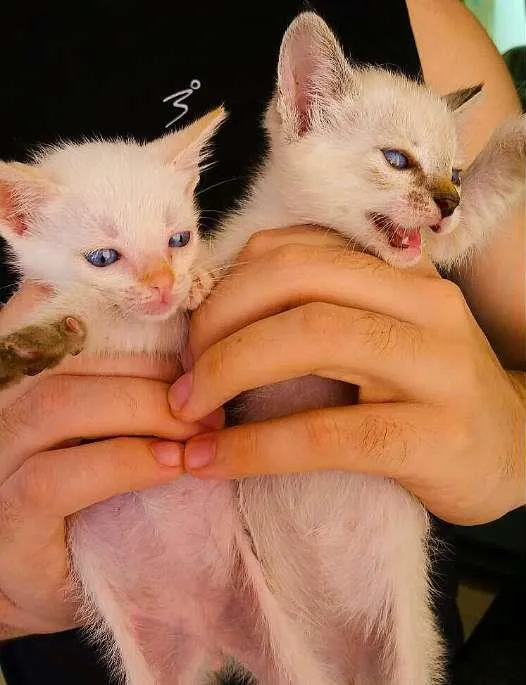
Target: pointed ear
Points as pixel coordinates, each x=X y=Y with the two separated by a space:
x=458 y=100
x=23 y=189
x=312 y=73
x=187 y=148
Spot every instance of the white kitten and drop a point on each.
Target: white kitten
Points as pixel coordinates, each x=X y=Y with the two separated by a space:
x=374 y=156
x=112 y=228
x=166 y=576
x=317 y=579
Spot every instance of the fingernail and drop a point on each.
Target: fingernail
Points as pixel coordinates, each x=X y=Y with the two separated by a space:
x=214 y=420
x=180 y=392
x=199 y=452
x=187 y=359
x=168 y=453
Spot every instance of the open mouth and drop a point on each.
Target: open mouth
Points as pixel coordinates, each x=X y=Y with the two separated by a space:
x=398 y=236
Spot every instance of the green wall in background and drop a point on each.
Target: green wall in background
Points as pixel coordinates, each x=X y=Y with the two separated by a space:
x=504 y=20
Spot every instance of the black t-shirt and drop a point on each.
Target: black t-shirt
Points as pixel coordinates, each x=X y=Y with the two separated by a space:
x=138 y=68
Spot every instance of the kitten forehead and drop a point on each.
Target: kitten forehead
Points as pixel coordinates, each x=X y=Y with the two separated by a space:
x=109 y=227
x=106 y=164
x=401 y=107
x=121 y=188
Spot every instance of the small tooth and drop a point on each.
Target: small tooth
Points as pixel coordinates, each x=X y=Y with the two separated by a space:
x=405 y=241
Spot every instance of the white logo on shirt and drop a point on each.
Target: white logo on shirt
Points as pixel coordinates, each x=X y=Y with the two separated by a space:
x=178 y=101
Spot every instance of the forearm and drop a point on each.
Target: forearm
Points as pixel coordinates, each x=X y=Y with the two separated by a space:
x=494 y=286
x=455 y=51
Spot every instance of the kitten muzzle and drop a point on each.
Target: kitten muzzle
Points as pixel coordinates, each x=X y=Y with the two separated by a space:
x=398 y=236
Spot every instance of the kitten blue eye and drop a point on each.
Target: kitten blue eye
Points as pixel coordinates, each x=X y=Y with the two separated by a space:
x=455 y=177
x=180 y=239
x=396 y=159
x=103 y=257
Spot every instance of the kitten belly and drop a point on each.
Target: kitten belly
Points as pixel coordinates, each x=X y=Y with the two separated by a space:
x=161 y=568
x=288 y=397
x=343 y=551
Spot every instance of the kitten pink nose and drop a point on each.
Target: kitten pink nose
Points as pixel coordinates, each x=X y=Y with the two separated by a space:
x=160 y=281
x=162 y=295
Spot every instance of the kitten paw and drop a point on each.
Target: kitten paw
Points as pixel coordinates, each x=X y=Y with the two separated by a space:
x=201 y=287
x=32 y=349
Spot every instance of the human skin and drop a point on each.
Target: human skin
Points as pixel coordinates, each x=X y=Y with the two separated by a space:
x=437 y=411
x=455 y=52
x=45 y=475
x=456 y=440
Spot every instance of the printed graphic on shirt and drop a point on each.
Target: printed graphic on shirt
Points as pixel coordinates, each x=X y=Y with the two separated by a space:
x=178 y=101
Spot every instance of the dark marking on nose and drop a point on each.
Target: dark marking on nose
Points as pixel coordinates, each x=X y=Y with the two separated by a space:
x=445 y=195
x=446 y=203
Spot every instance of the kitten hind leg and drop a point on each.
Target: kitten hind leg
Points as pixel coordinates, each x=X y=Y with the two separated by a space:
x=412 y=647
x=30 y=350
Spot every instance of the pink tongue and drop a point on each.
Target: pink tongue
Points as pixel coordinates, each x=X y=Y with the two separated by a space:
x=405 y=239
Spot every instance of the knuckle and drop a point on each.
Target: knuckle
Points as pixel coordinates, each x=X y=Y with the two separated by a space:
x=460 y=435
x=33 y=488
x=382 y=333
x=470 y=372
x=47 y=395
x=247 y=447
x=362 y=261
x=259 y=242
x=122 y=456
x=127 y=397
x=385 y=442
x=315 y=318
x=450 y=298
x=288 y=255
x=324 y=433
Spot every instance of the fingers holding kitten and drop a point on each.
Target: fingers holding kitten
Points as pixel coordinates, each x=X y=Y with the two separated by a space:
x=90 y=408
x=284 y=268
x=38 y=496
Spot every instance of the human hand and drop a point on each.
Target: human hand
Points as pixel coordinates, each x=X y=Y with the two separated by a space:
x=437 y=412
x=47 y=475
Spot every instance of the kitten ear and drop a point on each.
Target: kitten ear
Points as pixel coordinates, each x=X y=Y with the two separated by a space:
x=312 y=73
x=458 y=99
x=23 y=189
x=187 y=147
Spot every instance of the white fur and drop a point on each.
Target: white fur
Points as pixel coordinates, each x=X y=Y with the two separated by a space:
x=346 y=554
x=317 y=579
x=331 y=170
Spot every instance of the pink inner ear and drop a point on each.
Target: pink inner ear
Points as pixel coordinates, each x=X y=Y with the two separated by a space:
x=299 y=67
x=9 y=210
